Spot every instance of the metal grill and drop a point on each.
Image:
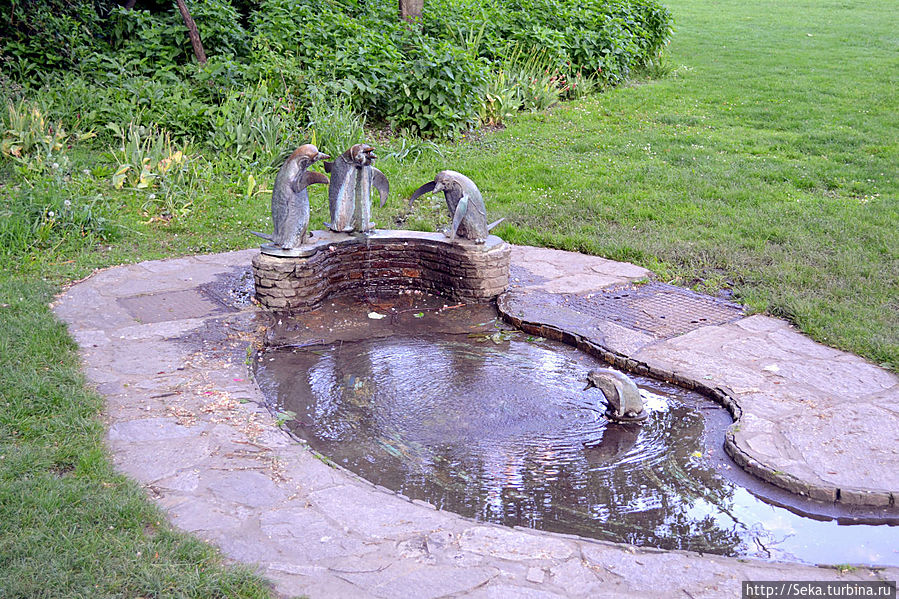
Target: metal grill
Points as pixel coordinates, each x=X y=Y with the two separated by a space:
x=168 y=306
x=661 y=310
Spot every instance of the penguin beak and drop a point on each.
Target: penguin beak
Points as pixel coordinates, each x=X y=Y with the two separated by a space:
x=321 y=156
x=428 y=187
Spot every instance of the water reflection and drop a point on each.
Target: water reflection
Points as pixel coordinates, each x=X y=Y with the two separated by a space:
x=504 y=432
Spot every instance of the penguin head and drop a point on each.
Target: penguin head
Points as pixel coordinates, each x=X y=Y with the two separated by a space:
x=445 y=181
x=361 y=154
x=307 y=154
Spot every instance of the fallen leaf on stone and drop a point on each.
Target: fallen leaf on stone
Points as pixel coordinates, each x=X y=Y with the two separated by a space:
x=376 y=315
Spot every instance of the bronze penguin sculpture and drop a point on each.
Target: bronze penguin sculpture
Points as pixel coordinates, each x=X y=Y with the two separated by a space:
x=349 y=194
x=465 y=203
x=621 y=393
x=290 y=200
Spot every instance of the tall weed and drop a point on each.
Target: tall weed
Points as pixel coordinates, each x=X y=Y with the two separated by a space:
x=534 y=76
x=333 y=124
x=252 y=124
x=501 y=100
x=32 y=139
x=149 y=161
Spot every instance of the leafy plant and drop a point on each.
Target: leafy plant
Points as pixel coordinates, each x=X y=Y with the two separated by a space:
x=253 y=124
x=535 y=78
x=149 y=160
x=333 y=124
x=438 y=89
x=284 y=416
x=501 y=100
x=29 y=137
x=577 y=85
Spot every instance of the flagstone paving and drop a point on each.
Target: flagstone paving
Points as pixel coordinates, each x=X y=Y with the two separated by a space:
x=167 y=343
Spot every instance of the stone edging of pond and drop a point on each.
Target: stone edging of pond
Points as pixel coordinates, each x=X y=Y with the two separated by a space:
x=337 y=263
x=162 y=343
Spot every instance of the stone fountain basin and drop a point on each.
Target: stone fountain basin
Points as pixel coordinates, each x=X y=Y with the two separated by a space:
x=334 y=264
x=166 y=343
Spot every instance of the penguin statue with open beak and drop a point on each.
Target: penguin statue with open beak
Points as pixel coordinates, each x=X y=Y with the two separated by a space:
x=349 y=195
x=621 y=393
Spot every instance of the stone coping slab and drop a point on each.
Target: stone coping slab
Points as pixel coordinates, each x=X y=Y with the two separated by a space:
x=187 y=421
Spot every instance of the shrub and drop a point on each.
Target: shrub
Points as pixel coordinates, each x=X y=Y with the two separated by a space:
x=387 y=70
x=438 y=89
x=430 y=78
x=150 y=41
x=43 y=35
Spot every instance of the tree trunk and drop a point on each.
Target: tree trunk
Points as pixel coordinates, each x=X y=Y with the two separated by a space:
x=192 y=32
x=410 y=10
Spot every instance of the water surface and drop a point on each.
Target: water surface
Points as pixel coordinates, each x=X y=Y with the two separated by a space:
x=496 y=425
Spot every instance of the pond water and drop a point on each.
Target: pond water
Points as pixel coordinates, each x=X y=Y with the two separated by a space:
x=496 y=425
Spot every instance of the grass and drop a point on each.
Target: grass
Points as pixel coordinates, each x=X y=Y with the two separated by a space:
x=69 y=525
x=763 y=163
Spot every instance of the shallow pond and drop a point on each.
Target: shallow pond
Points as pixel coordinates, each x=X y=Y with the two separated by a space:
x=496 y=425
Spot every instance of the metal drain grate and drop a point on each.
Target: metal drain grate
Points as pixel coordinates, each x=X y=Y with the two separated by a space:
x=661 y=310
x=168 y=306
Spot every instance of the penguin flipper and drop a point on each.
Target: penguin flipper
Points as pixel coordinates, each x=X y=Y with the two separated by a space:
x=263 y=235
x=328 y=166
x=493 y=224
x=379 y=182
x=461 y=210
x=308 y=178
x=426 y=188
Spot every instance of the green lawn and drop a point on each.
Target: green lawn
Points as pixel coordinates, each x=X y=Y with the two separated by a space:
x=763 y=163
x=766 y=163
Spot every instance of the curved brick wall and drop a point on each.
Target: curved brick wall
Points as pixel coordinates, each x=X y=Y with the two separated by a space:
x=341 y=264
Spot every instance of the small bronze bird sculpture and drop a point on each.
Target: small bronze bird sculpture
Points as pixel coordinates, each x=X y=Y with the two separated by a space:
x=621 y=393
x=465 y=204
x=290 y=200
